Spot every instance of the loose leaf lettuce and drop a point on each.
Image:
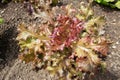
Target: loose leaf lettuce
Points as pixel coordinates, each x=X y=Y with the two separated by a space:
x=69 y=46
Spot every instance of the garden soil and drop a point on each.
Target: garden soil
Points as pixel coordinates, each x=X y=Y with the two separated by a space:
x=11 y=68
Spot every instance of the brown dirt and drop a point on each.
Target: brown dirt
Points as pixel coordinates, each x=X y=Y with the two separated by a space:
x=12 y=69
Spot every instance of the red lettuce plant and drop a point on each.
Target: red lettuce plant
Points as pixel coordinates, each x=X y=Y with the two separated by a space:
x=66 y=32
x=69 y=46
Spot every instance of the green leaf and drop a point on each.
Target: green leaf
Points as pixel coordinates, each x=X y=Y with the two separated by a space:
x=103 y=66
x=1 y=20
x=111 y=3
x=118 y=4
x=28 y=57
x=5 y=1
x=50 y=68
x=54 y=2
x=24 y=33
x=99 y=1
x=108 y=0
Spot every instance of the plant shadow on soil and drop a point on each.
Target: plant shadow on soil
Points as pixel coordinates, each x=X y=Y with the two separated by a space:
x=8 y=47
x=107 y=75
x=3 y=5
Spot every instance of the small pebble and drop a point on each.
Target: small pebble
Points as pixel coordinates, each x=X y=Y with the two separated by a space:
x=114 y=20
x=114 y=47
x=117 y=42
x=2 y=11
x=16 y=9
